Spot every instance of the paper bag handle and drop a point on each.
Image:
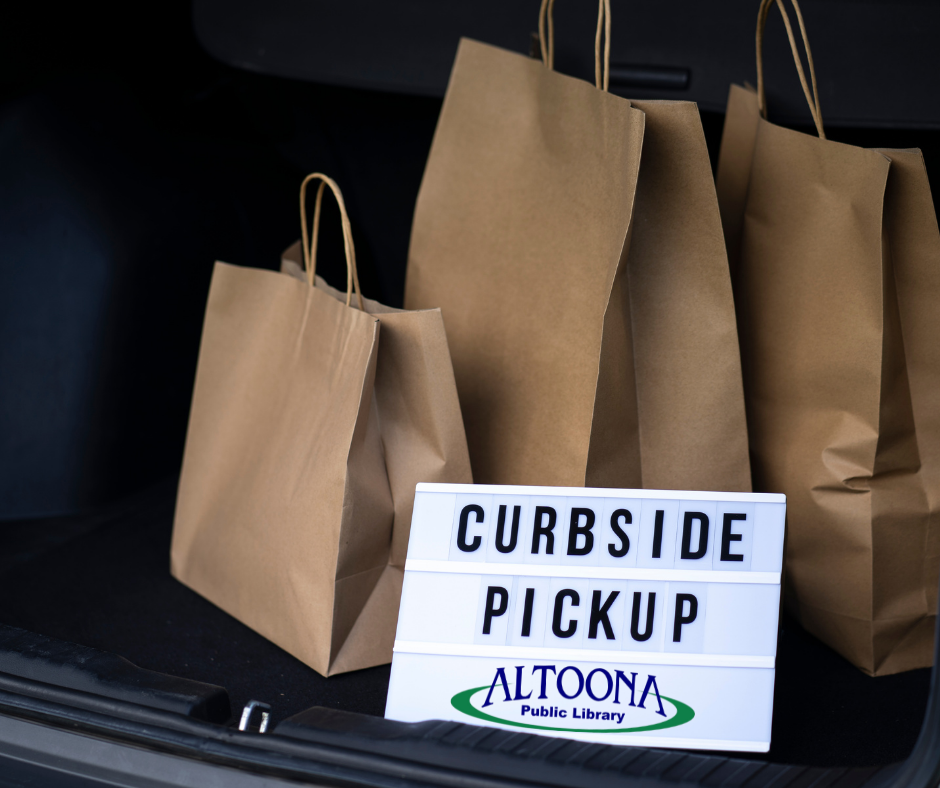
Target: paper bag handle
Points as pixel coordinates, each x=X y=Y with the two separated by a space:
x=601 y=75
x=310 y=252
x=811 y=98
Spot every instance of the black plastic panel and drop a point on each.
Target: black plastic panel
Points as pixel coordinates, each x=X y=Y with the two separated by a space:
x=876 y=60
x=59 y=664
x=549 y=761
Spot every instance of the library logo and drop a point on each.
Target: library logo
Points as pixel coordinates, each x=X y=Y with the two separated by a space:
x=567 y=698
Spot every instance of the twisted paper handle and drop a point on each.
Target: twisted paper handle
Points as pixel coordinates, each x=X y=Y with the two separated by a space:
x=310 y=252
x=811 y=98
x=601 y=62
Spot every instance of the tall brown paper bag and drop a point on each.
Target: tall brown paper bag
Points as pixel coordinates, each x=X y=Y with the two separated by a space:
x=837 y=258
x=586 y=296
x=306 y=440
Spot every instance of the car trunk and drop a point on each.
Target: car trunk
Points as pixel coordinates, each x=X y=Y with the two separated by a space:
x=171 y=160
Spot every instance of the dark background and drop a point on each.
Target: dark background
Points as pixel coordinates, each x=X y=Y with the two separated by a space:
x=131 y=159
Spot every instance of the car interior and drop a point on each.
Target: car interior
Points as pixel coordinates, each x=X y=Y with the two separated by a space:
x=139 y=143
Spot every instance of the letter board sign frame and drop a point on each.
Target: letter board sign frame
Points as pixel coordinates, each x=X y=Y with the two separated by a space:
x=638 y=617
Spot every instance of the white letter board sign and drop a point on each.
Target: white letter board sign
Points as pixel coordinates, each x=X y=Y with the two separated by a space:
x=640 y=617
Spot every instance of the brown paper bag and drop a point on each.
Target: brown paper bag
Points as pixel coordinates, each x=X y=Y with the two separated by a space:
x=837 y=258
x=582 y=356
x=306 y=440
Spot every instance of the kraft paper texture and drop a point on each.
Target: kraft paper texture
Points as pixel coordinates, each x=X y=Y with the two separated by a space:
x=836 y=254
x=306 y=439
x=572 y=240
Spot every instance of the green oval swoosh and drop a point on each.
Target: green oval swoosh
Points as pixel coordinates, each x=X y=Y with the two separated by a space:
x=461 y=702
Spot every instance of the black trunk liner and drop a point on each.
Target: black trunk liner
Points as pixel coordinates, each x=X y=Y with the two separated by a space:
x=103 y=581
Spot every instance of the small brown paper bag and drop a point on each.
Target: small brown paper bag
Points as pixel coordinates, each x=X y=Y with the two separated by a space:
x=586 y=295
x=306 y=440
x=837 y=258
